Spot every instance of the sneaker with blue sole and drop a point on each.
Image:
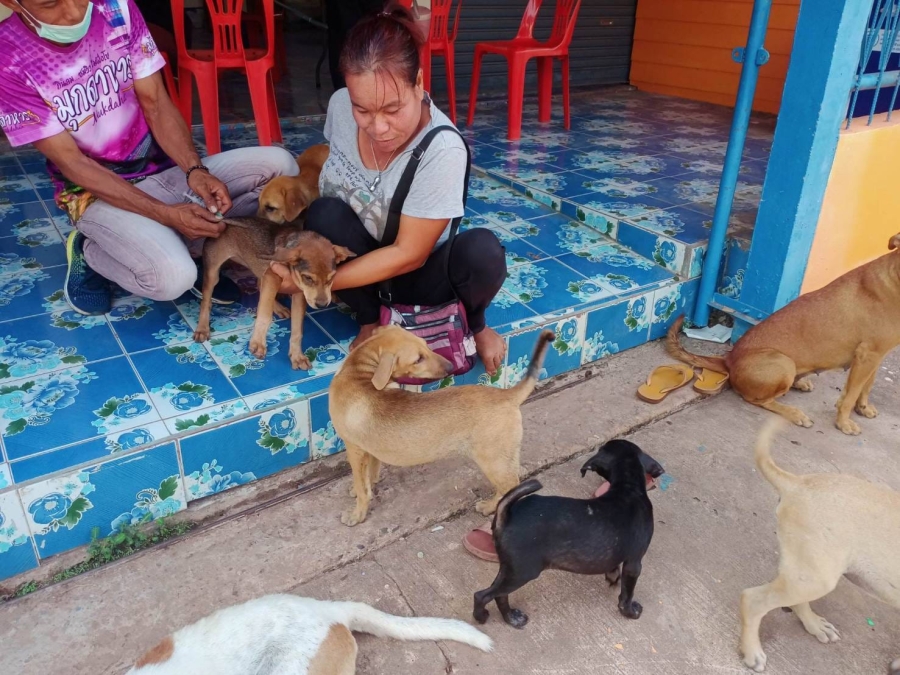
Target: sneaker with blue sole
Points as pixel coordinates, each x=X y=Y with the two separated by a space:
x=86 y=291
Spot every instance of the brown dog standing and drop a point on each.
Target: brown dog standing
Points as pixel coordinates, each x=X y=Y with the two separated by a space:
x=286 y=197
x=851 y=323
x=404 y=428
x=255 y=242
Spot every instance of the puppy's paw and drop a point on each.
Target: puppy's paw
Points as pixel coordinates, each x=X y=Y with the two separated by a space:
x=480 y=614
x=486 y=507
x=801 y=419
x=631 y=610
x=201 y=335
x=516 y=618
x=803 y=384
x=258 y=347
x=281 y=311
x=868 y=410
x=352 y=517
x=299 y=360
x=849 y=427
x=822 y=630
x=756 y=660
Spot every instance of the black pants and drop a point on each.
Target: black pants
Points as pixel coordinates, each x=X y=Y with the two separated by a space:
x=341 y=16
x=477 y=266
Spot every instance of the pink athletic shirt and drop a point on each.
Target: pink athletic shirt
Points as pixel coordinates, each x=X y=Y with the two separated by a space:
x=85 y=89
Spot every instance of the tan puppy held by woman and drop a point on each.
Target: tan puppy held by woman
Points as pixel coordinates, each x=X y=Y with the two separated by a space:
x=290 y=635
x=286 y=197
x=829 y=526
x=853 y=322
x=379 y=423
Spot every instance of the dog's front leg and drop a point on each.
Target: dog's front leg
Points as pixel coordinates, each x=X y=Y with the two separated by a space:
x=299 y=360
x=268 y=289
x=631 y=570
x=863 y=367
x=359 y=466
x=863 y=407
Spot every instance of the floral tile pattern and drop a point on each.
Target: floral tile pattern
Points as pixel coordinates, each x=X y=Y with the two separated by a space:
x=113 y=420
x=62 y=511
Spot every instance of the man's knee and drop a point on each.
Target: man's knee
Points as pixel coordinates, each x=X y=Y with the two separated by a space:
x=481 y=252
x=169 y=281
x=282 y=162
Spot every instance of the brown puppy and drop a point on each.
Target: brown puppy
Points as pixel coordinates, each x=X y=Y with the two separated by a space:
x=403 y=428
x=851 y=323
x=829 y=526
x=286 y=197
x=254 y=243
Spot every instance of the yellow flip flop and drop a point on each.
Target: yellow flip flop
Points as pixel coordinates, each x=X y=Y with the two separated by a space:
x=710 y=382
x=664 y=380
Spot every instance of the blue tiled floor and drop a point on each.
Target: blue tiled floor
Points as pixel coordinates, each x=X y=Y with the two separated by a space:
x=104 y=420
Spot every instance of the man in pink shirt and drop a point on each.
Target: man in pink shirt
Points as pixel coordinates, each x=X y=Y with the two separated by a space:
x=81 y=82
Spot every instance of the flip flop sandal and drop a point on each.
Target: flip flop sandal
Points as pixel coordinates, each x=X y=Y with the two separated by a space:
x=664 y=380
x=710 y=382
x=480 y=543
x=604 y=486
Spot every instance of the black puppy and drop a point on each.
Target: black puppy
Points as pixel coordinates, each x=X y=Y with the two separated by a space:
x=585 y=536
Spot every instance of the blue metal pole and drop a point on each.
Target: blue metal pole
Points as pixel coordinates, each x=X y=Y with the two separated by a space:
x=753 y=57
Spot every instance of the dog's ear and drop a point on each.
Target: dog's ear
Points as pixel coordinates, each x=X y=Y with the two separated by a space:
x=384 y=371
x=651 y=466
x=285 y=244
x=294 y=203
x=894 y=243
x=342 y=253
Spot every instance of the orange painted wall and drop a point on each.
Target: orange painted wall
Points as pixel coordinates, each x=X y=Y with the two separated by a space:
x=683 y=48
x=861 y=209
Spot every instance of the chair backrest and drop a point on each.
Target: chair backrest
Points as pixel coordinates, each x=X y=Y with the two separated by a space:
x=225 y=16
x=526 y=28
x=440 y=21
x=564 y=21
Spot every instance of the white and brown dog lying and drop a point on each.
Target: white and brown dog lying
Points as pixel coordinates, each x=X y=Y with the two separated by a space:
x=290 y=635
x=829 y=526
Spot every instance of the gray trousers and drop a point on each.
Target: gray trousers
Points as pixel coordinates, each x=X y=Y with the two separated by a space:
x=154 y=261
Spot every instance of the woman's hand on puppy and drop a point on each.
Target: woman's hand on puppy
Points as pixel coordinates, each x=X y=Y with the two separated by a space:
x=288 y=287
x=193 y=221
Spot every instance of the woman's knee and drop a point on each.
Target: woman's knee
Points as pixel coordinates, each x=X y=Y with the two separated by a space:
x=480 y=252
x=330 y=217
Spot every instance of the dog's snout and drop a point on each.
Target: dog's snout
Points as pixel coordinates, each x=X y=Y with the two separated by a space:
x=322 y=304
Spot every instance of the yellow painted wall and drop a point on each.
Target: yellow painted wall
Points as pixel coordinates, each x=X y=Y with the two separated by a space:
x=683 y=48
x=861 y=209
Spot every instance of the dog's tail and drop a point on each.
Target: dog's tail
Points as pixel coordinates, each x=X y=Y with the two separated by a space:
x=780 y=479
x=675 y=349
x=365 y=619
x=521 y=490
x=523 y=390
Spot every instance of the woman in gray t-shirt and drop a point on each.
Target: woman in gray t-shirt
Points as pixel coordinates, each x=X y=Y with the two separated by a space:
x=372 y=127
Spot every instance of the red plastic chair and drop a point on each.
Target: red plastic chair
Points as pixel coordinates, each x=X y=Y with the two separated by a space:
x=442 y=43
x=228 y=53
x=169 y=81
x=518 y=51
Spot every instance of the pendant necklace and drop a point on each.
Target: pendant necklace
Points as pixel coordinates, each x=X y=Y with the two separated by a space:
x=377 y=181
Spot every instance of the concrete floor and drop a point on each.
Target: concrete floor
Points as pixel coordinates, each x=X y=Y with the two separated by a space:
x=714 y=537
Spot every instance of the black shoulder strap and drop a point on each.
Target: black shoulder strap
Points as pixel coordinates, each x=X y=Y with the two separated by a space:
x=392 y=226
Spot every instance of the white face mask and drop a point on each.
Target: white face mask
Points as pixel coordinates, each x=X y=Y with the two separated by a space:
x=61 y=34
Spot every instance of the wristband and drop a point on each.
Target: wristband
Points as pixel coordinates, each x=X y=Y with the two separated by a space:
x=196 y=167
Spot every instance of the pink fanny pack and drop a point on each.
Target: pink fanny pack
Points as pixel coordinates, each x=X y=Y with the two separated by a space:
x=444 y=327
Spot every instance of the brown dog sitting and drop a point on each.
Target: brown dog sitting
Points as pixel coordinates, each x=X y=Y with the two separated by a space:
x=853 y=322
x=284 y=198
x=254 y=243
x=379 y=423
